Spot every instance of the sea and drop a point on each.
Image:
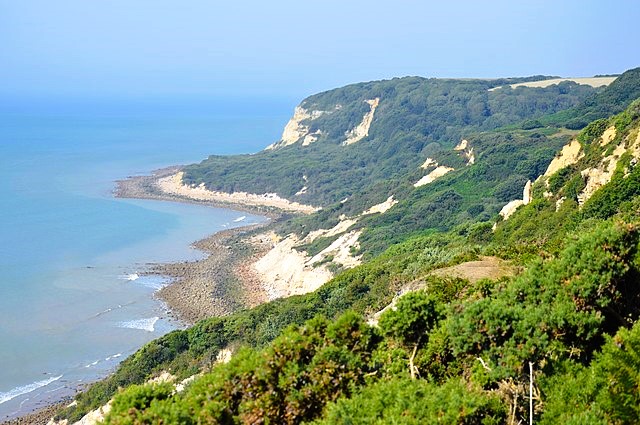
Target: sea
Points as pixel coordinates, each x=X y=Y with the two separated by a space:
x=74 y=301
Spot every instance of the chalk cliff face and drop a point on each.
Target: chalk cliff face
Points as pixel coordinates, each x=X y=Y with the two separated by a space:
x=508 y=210
x=362 y=130
x=466 y=150
x=569 y=155
x=297 y=128
x=601 y=174
x=435 y=174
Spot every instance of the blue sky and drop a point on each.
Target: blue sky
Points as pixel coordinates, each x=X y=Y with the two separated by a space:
x=152 y=48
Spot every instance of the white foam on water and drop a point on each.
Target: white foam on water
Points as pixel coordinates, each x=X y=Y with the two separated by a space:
x=92 y=364
x=101 y=313
x=25 y=389
x=239 y=219
x=115 y=356
x=131 y=277
x=110 y=309
x=142 y=324
x=153 y=282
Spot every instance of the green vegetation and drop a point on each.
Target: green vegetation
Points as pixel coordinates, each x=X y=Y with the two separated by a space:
x=450 y=351
x=418 y=402
x=417 y=118
x=601 y=105
x=504 y=163
x=556 y=315
x=364 y=289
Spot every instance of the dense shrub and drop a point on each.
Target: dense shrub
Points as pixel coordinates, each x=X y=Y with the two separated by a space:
x=557 y=308
x=604 y=392
x=402 y=401
x=288 y=382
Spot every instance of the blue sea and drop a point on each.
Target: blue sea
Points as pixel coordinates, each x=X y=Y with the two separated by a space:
x=73 y=300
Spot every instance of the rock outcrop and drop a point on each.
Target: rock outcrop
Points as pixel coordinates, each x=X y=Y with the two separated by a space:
x=466 y=150
x=570 y=154
x=296 y=129
x=173 y=185
x=437 y=172
x=508 y=210
x=381 y=207
x=362 y=130
x=596 y=177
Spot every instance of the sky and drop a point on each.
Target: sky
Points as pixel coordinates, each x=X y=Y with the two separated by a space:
x=244 y=48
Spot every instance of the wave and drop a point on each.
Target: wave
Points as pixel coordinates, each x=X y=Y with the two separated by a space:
x=115 y=356
x=131 y=277
x=153 y=282
x=92 y=364
x=110 y=309
x=239 y=219
x=25 y=389
x=142 y=324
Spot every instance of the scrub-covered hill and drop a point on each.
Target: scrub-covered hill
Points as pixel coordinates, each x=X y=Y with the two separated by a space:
x=404 y=337
x=352 y=140
x=438 y=152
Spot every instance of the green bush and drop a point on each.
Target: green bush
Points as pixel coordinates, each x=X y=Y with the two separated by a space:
x=604 y=392
x=414 y=316
x=557 y=308
x=288 y=382
x=402 y=401
x=129 y=406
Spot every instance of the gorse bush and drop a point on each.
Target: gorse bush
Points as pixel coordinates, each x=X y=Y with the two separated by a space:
x=288 y=382
x=557 y=315
x=558 y=308
x=604 y=392
x=416 y=402
x=412 y=319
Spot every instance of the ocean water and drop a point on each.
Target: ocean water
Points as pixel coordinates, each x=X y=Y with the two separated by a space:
x=73 y=302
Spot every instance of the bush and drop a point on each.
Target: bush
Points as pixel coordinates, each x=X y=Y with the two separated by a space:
x=129 y=406
x=414 y=316
x=402 y=401
x=557 y=308
x=605 y=392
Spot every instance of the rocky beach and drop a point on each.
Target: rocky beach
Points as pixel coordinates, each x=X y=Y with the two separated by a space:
x=224 y=280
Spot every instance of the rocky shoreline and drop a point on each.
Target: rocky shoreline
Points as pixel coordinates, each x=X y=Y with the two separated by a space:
x=224 y=280
x=217 y=285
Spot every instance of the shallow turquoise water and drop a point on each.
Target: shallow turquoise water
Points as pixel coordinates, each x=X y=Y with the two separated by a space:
x=69 y=310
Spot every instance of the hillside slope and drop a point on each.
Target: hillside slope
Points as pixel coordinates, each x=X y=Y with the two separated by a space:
x=353 y=140
x=450 y=350
x=407 y=154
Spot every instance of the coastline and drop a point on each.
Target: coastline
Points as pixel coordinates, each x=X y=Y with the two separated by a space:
x=216 y=285
x=224 y=280
x=41 y=416
x=146 y=187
